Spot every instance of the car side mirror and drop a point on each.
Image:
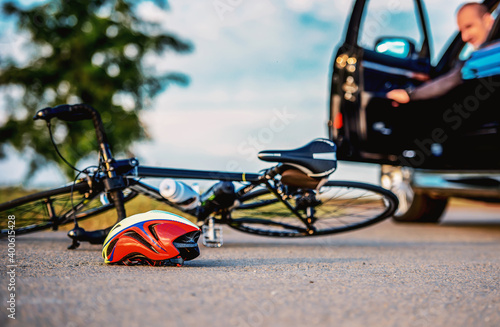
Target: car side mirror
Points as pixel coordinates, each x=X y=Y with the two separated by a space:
x=395 y=46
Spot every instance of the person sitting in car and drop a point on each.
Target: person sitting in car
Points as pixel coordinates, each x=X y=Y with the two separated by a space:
x=474 y=23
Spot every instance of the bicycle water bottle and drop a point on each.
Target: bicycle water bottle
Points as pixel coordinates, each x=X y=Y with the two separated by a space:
x=179 y=193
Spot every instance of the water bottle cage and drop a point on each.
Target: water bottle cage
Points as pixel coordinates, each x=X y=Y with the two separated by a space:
x=187 y=202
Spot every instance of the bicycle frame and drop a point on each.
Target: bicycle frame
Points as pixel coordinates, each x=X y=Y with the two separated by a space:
x=130 y=172
x=195 y=174
x=252 y=178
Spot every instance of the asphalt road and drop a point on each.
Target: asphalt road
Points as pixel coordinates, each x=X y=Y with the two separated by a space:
x=386 y=275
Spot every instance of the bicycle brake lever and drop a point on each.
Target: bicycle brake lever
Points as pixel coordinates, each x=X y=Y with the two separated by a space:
x=73 y=234
x=74 y=245
x=95 y=237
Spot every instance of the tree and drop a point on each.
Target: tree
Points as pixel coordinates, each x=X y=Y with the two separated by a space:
x=90 y=52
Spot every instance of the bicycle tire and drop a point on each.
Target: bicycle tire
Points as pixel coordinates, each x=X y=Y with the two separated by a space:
x=339 y=206
x=32 y=211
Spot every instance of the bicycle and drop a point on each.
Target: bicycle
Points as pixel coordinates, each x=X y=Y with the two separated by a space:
x=294 y=198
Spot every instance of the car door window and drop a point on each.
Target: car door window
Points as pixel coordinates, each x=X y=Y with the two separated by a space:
x=384 y=18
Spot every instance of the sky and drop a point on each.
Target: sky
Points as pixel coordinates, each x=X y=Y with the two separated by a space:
x=259 y=79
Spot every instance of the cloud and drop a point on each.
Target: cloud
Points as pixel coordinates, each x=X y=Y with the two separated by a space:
x=226 y=134
x=234 y=13
x=207 y=19
x=321 y=9
x=13 y=45
x=150 y=12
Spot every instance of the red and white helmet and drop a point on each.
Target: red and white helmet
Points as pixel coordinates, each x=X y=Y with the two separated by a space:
x=155 y=238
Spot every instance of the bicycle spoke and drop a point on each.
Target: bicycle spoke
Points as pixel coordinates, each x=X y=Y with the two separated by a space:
x=337 y=207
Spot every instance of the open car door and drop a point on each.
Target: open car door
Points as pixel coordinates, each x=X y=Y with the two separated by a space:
x=386 y=47
x=459 y=130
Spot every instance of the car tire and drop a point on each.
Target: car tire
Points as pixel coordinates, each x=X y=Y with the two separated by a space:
x=413 y=207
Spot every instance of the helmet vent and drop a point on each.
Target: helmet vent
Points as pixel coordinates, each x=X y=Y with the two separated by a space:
x=139 y=239
x=191 y=237
x=187 y=245
x=111 y=246
x=153 y=231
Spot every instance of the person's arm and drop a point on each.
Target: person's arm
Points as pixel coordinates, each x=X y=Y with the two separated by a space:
x=438 y=86
x=429 y=90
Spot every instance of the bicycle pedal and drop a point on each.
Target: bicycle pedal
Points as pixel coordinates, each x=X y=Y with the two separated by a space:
x=212 y=236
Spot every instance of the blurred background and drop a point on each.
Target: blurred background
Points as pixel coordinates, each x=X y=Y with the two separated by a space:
x=246 y=75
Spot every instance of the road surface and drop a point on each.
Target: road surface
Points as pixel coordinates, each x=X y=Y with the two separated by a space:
x=386 y=275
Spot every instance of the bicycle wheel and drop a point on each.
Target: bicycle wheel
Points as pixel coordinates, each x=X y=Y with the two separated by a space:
x=338 y=206
x=52 y=208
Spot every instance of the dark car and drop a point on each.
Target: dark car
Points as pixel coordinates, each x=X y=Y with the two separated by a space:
x=428 y=150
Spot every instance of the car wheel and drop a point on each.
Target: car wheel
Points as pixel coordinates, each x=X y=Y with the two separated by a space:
x=413 y=207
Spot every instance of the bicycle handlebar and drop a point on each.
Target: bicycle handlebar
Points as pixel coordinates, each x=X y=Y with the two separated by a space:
x=64 y=112
x=74 y=112
x=113 y=184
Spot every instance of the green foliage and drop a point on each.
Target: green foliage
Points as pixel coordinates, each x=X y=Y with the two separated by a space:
x=90 y=52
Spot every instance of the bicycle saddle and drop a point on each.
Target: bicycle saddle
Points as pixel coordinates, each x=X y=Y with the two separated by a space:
x=316 y=159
